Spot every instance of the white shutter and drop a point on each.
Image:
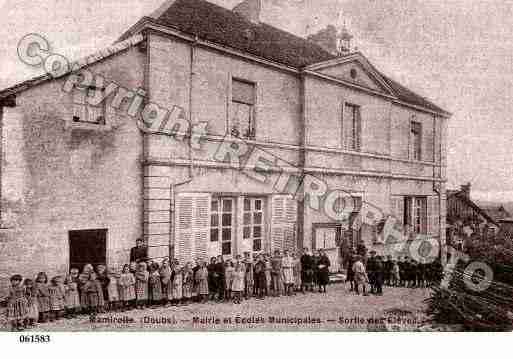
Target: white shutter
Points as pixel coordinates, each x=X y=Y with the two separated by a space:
x=396 y=207
x=283 y=222
x=192 y=233
x=201 y=226
x=183 y=234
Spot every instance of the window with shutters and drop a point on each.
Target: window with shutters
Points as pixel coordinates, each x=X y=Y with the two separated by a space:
x=415 y=141
x=222 y=220
x=85 y=112
x=352 y=127
x=243 y=109
x=283 y=222
x=253 y=222
x=192 y=226
x=415 y=214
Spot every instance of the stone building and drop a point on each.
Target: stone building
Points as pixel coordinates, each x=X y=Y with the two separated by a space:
x=81 y=181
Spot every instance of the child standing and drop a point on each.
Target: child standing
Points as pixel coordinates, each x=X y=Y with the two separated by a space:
x=249 y=279
x=228 y=278
x=43 y=297
x=103 y=279
x=112 y=289
x=92 y=294
x=17 y=304
x=31 y=295
x=395 y=274
x=72 y=299
x=238 y=282
x=268 y=277
x=155 y=287
x=201 y=278
x=141 y=285
x=296 y=262
x=165 y=280
x=260 y=284
x=188 y=282
x=288 y=272
x=127 y=288
x=56 y=290
x=177 y=283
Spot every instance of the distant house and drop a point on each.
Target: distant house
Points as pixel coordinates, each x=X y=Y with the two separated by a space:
x=465 y=218
x=498 y=213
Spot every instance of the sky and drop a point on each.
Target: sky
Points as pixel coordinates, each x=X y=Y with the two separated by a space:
x=457 y=53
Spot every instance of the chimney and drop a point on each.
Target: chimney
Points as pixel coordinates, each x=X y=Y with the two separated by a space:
x=250 y=9
x=336 y=43
x=465 y=188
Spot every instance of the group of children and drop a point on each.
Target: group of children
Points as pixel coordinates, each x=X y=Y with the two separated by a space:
x=149 y=283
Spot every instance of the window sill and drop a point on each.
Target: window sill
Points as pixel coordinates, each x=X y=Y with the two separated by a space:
x=87 y=126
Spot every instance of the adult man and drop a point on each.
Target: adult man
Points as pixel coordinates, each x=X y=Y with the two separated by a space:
x=371 y=271
x=378 y=275
x=307 y=271
x=276 y=273
x=349 y=265
x=139 y=253
x=360 y=275
x=387 y=270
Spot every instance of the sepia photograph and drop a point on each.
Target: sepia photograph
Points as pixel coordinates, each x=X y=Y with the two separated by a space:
x=255 y=166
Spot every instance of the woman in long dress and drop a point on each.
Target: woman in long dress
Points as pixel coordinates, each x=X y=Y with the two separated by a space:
x=288 y=272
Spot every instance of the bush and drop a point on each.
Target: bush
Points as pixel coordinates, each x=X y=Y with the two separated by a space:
x=488 y=310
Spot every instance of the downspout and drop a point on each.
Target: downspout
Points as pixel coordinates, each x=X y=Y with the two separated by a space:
x=302 y=162
x=436 y=188
x=173 y=186
x=191 y=82
x=1 y=161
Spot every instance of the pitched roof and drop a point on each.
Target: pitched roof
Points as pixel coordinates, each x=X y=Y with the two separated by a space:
x=222 y=26
x=497 y=212
x=75 y=65
x=217 y=24
x=463 y=197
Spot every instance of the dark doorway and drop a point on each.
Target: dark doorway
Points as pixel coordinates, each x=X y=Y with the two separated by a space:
x=87 y=246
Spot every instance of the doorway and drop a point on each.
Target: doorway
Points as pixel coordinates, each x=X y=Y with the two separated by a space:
x=327 y=236
x=87 y=246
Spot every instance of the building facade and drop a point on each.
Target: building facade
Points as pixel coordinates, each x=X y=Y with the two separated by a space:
x=289 y=125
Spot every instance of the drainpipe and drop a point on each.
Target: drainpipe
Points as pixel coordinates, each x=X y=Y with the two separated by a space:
x=191 y=161
x=1 y=160
x=191 y=82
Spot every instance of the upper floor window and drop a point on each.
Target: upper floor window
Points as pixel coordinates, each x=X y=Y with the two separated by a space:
x=415 y=214
x=243 y=109
x=415 y=141
x=352 y=127
x=85 y=112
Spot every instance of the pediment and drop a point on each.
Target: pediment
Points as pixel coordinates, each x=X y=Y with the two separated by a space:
x=354 y=69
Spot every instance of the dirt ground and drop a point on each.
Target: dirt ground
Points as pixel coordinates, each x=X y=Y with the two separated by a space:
x=337 y=310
